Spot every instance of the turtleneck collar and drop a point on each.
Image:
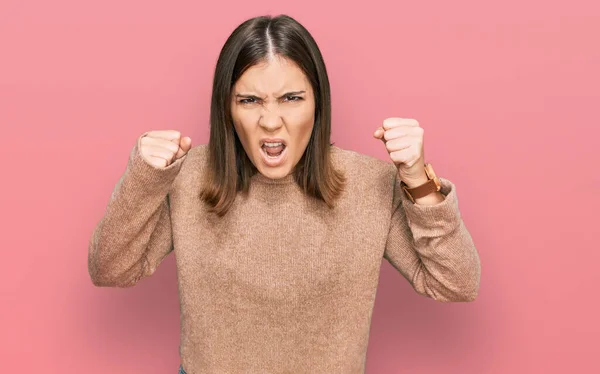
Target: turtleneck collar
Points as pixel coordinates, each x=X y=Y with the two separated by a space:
x=259 y=178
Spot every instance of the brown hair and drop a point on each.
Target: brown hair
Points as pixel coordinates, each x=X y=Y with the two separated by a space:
x=229 y=168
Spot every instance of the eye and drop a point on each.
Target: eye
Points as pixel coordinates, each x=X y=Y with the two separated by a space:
x=293 y=98
x=249 y=100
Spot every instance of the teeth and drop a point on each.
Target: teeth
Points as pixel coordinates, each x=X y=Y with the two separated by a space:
x=272 y=144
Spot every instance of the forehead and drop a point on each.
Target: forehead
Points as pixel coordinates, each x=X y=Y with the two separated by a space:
x=274 y=76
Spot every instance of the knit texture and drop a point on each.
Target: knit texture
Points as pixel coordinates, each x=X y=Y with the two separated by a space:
x=281 y=283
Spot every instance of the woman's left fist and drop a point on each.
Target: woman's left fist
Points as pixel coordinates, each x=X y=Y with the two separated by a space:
x=403 y=139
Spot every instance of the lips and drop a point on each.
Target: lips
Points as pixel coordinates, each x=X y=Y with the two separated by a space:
x=273 y=147
x=273 y=152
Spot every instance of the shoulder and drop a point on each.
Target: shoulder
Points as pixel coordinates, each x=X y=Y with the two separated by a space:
x=194 y=164
x=198 y=152
x=363 y=169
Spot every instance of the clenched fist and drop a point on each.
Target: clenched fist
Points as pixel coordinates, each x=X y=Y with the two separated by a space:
x=161 y=148
x=403 y=139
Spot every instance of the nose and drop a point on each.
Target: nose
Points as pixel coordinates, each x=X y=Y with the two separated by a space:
x=270 y=118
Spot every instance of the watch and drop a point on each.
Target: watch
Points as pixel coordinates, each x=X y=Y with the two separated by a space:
x=432 y=185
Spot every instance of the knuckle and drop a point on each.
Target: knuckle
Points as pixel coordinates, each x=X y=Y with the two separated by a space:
x=397 y=156
x=173 y=147
x=169 y=155
x=156 y=134
x=389 y=146
x=161 y=162
x=391 y=122
x=145 y=148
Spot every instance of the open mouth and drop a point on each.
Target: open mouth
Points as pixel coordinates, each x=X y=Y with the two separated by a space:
x=273 y=149
x=273 y=152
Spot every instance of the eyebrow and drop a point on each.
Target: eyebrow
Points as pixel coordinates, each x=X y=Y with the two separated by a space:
x=291 y=93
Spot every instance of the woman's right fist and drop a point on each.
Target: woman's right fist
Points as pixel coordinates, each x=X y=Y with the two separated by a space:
x=163 y=147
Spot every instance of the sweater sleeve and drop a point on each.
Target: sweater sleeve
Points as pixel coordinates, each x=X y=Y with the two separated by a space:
x=431 y=247
x=134 y=235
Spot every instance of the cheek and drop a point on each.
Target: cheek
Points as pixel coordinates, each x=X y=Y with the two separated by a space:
x=301 y=121
x=308 y=124
x=242 y=122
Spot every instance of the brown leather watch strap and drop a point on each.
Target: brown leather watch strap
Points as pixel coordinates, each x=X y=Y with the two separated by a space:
x=422 y=190
x=431 y=186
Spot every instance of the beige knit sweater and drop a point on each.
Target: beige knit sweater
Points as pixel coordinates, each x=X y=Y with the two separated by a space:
x=281 y=284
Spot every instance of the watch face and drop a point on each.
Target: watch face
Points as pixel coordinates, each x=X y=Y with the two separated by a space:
x=431 y=174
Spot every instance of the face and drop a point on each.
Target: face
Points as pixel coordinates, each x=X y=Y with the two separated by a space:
x=273 y=111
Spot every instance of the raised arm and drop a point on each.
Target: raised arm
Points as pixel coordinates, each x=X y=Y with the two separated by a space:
x=431 y=247
x=134 y=235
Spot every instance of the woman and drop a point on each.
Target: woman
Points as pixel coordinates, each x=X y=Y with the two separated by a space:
x=279 y=235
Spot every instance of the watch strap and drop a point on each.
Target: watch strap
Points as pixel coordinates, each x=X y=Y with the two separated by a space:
x=431 y=186
x=421 y=191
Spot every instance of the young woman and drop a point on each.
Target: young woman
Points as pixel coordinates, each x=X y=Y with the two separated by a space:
x=278 y=234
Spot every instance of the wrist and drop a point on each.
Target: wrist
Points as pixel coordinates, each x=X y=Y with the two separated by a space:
x=415 y=181
x=424 y=187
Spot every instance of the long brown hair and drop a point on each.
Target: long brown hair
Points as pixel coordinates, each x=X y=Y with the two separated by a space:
x=229 y=168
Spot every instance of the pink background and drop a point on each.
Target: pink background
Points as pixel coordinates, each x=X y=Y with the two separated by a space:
x=507 y=94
